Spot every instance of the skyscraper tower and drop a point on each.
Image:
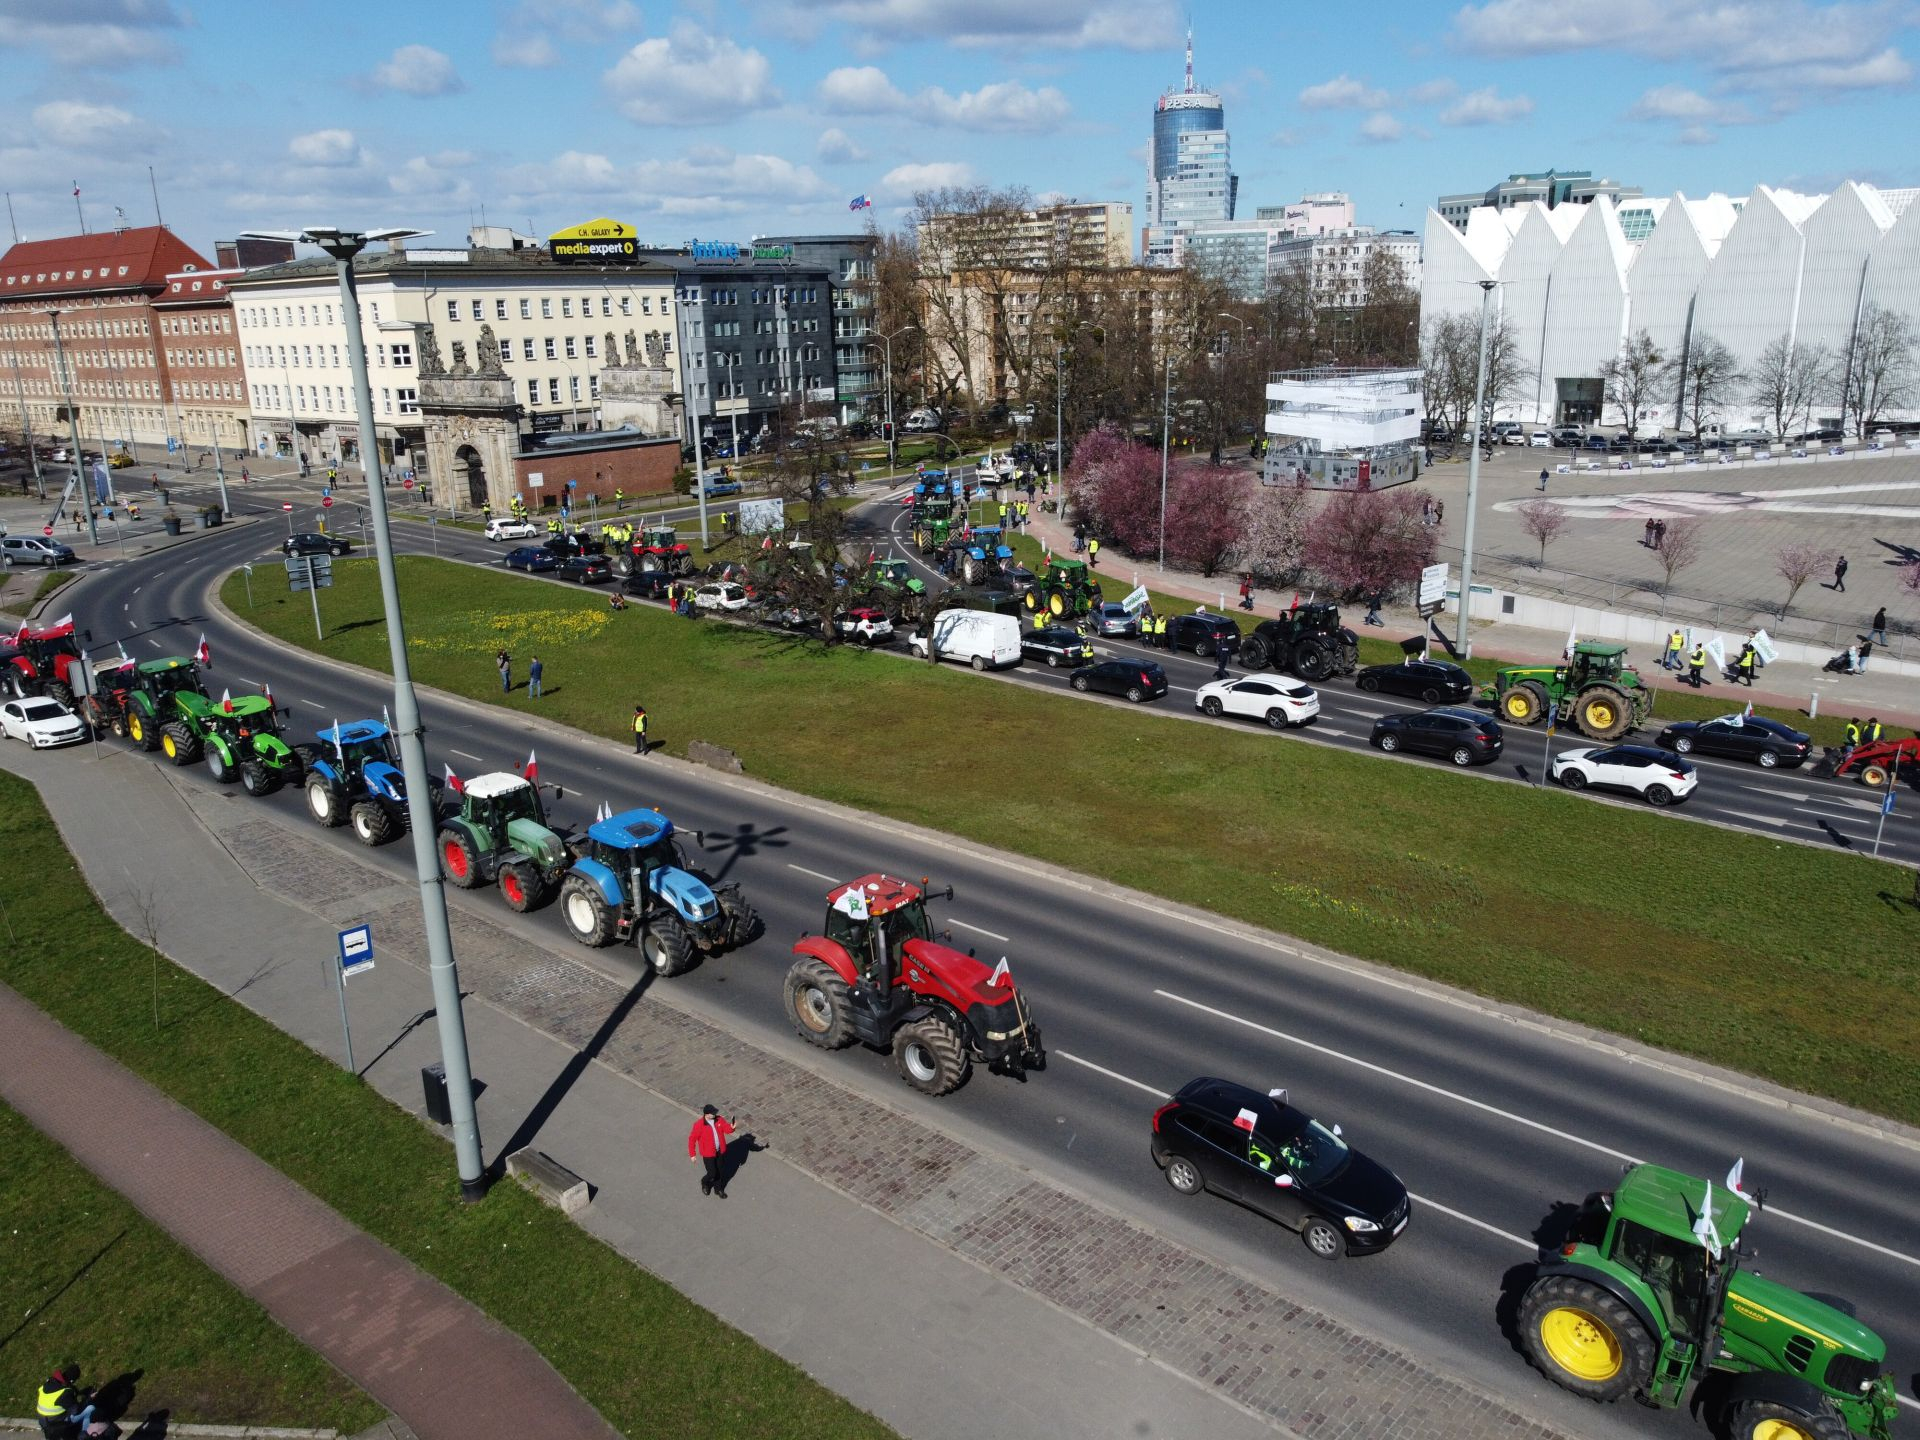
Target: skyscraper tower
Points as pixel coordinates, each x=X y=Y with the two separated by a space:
x=1189 y=167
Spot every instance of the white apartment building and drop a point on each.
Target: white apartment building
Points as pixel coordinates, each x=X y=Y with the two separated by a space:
x=1337 y=260
x=553 y=326
x=1075 y=232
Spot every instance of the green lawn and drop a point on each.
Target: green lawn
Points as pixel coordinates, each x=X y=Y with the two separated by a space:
x=1784 y=961
x=651 y=1361
x=49 y=583
x=86 y=1277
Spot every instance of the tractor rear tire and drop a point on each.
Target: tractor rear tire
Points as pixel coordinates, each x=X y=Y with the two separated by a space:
x=1312 y=659
x=622 y=566
x=1764 y=1420
x=256 y=779
x=324 y=804
x=1874 y=777
x=219 y=767
x=522 y=885
x=56 y=692
x=931 y=1057
x=817 y=1003
x=743 y=921
x=1523 y=704
x=667 y=945
x=459 y=861
x=179 y=744
x=1584 y=1339
x=303 y=759
x=372 y=823
x=1601 y=714
x=590 y=920
x=142 y=731
x=1255 y=653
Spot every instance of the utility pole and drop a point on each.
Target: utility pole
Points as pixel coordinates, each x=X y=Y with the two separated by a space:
x=73 y=420
x=1166 y=432
x=1462 y=640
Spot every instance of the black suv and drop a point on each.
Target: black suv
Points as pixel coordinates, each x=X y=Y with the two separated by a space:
x=1466 y=737
x=561 y=546
x=1205 y=635
x=586 y=569
x=1258 y=1150
x=1057 y=645
x=310 y=543
x=1136 y=679
x=648 y=584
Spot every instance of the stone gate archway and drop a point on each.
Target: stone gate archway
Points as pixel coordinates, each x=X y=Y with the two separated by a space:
x=468 y=462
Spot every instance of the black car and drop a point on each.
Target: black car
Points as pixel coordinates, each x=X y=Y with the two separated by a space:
x=309 y=543
x=648 y=584
x=1057 y=645
x=587 y=569
x=531 y=558
x=1749 y=737
x=1203 y=634
x=1466 y=737
x=1136 y=679
x=561 y=546
x=1280 y=1162
x=1434 y=681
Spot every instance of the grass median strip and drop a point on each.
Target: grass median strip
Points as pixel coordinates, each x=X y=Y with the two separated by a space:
x=649 y=1359
x=1774 y=959
x=86 y=1277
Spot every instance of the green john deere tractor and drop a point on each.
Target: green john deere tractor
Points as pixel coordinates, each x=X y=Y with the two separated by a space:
x=1648 y=1295
x=1067 y=590
x=137 y=700
x=1594 y=689
x=890 y=585
x=933 y=505
x=501 y=835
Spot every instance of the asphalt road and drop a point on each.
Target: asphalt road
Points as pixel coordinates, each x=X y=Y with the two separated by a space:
x=1491 y=1123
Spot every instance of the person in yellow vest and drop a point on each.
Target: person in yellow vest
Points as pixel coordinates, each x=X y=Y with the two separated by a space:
x=639 y=729
x=1093 y=554
x=1676 y=647
x=1743 y=667
x=1871 y=731
x=63 y=1411
x=619 y=499
x=1696 y=663
x=1851 y=741
x=1160 y=632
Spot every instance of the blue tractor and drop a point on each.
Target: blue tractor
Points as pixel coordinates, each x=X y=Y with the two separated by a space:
x=980 y=554
x=355 y=775
x=630 y=877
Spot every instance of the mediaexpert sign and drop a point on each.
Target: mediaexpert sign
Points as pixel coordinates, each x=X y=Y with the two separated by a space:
x=597 y=242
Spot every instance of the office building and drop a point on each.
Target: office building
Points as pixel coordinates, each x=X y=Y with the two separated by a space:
x=1550 y=188
x=206 y=384
x=1089 y=233
x=848 y=261
x=1239 y=252
x=1190 y=177
x=1337 y=260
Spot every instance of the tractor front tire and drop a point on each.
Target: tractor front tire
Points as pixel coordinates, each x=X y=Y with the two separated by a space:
x=522 y=885
x=179 y=744
x=590 y=920
x=1585 y=1339
x=1059 y=603
x=372 y=823
x=1255 y=652
x=256 y=779
x=1523 y=704
x=142 y=731
x=1764 y=1420
x=220 y=767
x=459 y=861
x=931 y=1057
x=1312 y=660
x=1602 y=714
x=324 y=804
x=667 y=946
x=817 y=1003
x=743 y=921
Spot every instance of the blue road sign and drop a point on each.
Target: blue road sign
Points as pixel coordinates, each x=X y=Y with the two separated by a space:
x=1886 y=804
x=356 y=950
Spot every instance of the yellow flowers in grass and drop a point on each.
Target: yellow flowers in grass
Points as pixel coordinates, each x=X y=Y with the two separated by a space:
x=521 y=631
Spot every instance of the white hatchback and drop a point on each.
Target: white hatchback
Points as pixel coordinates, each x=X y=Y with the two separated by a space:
x=1657 y=776
x=724 y=596
x=42 y=723
x=505 y=527
x=1278 y=701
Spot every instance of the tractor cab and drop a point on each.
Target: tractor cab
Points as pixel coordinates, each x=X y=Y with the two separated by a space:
x=1646 y=1229
x=493 y=803
x=1595 y=661
x=360 y=743
x=44 y=647
x=247 y=715
x=872 y=919
x=163 y=678
x=895 y=574
x=642 y=842
x=985 y=541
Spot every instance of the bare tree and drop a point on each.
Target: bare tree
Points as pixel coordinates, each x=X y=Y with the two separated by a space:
x=1632 y=378
x=149 y=913
x=1450 y=359
x=1784 y=380
x=1543 y=520
x=1385 y=326
x=1798 y=563
x=1880 y=373
x=1705 y=377
x=1680 y=547
x=806 y=475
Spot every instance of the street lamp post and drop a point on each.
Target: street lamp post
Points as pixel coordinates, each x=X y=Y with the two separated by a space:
x=73 y=421
x=1462 y=641
x=893 y=441
x=343 y=245
x=1166 y=432
x=26 y=425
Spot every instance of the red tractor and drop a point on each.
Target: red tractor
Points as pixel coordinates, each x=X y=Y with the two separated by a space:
x=1877 y=762
x=41 y=662
x=879 y=976
x=658 y=547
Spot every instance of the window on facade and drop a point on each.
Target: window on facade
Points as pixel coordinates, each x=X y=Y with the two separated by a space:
x=402 y=353
x=477 y=311
x=546 y=308
x=506 y=350
x=626 y=304
x=566 y=307
x=553 y=390
x=409 y=401
x=593 y=387
x=526 y=348
x=573 y=387
x=552 y=352
x=526 y=308
x=453 y=309
x=591 y=355
x=386 y=400
x=533 y=389
x=570 y=354
x=606 y=305
x=499 y=309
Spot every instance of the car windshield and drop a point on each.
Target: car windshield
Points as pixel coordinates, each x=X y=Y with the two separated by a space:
x=516 y=804
x=41 y=710
x=1315 y=1155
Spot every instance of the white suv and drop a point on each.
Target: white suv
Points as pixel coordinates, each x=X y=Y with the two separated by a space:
x=505 y=527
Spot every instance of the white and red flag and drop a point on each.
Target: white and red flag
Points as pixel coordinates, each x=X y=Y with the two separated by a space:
x=532 y=771
x=454 y=782
x=1244 y=1120
x=203 y=652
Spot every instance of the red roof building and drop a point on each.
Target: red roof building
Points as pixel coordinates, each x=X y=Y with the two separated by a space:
x=103 y=289
x=206 y=383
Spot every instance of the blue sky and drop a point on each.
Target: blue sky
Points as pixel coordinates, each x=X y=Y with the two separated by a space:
x=762 y=116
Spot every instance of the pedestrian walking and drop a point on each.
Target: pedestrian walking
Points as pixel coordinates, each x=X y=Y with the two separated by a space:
x=1093 y=554
x=1646 y=539
x=1676 y=647
x=639 y=729
x=64 y=1410
x=1220 y=662
x=1840 y=575
x=505 y=662
x=707 y=1143
x=1743 y=667
x=534 y=671
x=1696 y=663
x=245 y=478
x=1439 y=512
x=1246 y=591
x=1373 y=608
x=1877 y=632
x=1543 y=479
x=1860 y=660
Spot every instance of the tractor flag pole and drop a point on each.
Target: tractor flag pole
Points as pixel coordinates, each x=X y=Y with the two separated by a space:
x=1886 y=802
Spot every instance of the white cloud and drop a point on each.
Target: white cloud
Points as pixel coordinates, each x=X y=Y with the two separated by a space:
x=1023 y=25
x=1343 y=92
x=860 y=90
x=836 y=147
x=1672 y=102
x=433 y=176
x=530 y=29
x=93 y=33
x=418 y=70
x=325 y=147
x=1381 y=128
x=1887 y=70
x=690 y=77
x=1486 y=107
x=706 y=181
x=901 y=182
x=97 y=129
x=1432 y=92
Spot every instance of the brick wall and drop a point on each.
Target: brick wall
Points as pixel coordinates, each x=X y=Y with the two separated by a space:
x=636 y=467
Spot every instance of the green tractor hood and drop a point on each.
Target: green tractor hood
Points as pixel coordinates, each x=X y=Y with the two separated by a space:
x=1776 y=1327
x=533 y=839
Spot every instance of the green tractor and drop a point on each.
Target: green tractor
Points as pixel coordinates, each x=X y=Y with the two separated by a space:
x=137 y=699
x=932 y=515
x=500 y=835
x=890 y=585
x=1648 y=1295
x=1594 y=689
x=241 y=740
x=1067 y=590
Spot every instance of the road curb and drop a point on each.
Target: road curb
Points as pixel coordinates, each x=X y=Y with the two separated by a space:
x=10 y=1426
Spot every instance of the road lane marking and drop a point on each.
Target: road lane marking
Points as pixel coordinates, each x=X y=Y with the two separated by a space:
x=1004 y=940
x=830 y=879
x=136 y=590
x=466 y=755
x=1837 y=819
x=1523 y=1120
x=1152 y=1090
x=1789 y=796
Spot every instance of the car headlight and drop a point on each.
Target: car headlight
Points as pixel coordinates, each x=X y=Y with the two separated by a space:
x=1358 y=1225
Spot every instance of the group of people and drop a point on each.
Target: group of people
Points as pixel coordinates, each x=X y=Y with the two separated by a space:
x=1656 y=534
x=1432 y=511
x=1678 y=657
x=1859 y=732
x=536 y=672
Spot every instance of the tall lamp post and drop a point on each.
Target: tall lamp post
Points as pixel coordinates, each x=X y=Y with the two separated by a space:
x=1462 y=641
x=893 y=439
x=343 y=245
x=73 y=420
x=1246 y=330
x=1166 y=432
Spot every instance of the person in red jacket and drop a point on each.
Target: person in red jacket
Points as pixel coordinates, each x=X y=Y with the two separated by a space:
x=707 y=1143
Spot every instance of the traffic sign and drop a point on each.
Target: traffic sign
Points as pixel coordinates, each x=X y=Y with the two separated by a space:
x=286 y=505
x=46 y=529
x=407 y=484
x=1433 y=584
x=356 y=950
x=326 y=502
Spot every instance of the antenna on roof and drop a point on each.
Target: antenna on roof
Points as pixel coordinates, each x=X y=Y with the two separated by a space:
x=1189 y=55
x=155 y=186
x=12 y=224
x=76 y=206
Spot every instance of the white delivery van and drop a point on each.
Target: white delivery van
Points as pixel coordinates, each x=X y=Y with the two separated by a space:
x=978 y=638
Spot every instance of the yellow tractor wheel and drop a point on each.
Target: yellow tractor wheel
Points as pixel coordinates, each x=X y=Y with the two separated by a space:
x=1875 y=777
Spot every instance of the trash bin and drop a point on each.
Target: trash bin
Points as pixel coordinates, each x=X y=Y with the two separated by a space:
x=210 y=516
x=170 y=524
x=433 y=1079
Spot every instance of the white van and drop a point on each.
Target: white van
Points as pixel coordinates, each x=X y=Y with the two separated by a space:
x=978 y=638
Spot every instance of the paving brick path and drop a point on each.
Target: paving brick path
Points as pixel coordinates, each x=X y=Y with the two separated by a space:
x=446 y=1369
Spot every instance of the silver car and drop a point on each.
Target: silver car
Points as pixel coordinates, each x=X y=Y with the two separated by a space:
x=1112 y=619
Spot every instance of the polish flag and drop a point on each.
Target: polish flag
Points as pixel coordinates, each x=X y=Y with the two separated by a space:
x=1244 y=1120
x=203 y=652
x=454 y=782
x=999 y=976
x=1572 y=640
x=1734 y=1177
x=532 y=770
x=226 y=701
x=66 y=619
x=266 y=689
